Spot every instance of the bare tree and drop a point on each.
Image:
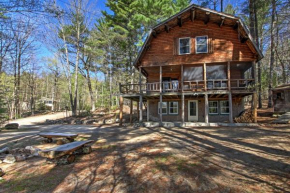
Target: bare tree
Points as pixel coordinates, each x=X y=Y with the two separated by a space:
x=272 y=46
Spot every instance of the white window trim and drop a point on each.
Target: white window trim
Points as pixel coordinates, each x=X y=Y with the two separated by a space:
x=213 y=107
x=206 y=45
x=221 y=108
x=179 y=46
x=173 y=108
x=160 y=109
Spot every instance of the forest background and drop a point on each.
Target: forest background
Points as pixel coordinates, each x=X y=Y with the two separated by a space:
x=76 y=52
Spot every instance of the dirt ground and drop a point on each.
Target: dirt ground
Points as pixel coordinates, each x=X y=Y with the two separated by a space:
x=128 y=159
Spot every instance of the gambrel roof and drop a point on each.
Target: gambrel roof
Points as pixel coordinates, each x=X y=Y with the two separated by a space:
x=195 y=12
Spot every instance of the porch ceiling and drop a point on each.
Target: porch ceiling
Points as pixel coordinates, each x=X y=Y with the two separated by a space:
x=173 y=69
x=176 y=69
x=168 y=96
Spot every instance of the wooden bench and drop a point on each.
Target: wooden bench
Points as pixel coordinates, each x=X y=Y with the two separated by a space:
x=49 y=136
x=66 y=153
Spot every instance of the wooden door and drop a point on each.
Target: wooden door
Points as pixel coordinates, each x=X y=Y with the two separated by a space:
x=193 y=110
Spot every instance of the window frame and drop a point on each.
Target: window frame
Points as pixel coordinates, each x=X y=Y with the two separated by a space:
x=217 y=108
x=201 y=44
x=179 y=46
x=169 y=108
x=162 y=108
x=221 y=106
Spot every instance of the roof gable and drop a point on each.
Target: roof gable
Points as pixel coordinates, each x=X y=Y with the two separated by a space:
x=195 y=12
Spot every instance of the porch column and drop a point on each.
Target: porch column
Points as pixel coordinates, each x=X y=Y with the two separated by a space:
x=230 y=93
x=204 y=76
x=182 y=96
x=148 y=111
x=140 y=97
x=160 y=92
x=230 y=107
x=138 y=112
x=206 y=108
x=131 y=110
x=141 y=109
x=121 y=110
x=229 y=75
x=255 y=92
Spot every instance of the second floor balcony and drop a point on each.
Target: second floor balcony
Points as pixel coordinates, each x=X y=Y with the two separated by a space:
x=189 y=86
x=194 y=78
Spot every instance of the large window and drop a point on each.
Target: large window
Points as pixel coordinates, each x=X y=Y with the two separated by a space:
x=173 y=107
x=201 y=44
x=213 y=107
x=184 y=45
x=164 y=108
x=224 y=107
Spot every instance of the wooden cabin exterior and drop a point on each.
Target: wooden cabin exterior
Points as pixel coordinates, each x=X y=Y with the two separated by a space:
x=281 y=98
x=199 y=65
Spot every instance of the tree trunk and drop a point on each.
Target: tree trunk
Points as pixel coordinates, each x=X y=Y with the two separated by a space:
x=259 y=63
x=270 y=105
x=93 y=106
x=252 y=28
x=110 y=87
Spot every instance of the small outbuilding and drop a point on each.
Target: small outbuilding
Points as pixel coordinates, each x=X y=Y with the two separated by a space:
x=281 y=98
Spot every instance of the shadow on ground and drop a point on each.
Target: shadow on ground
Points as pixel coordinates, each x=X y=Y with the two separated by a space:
x=128 y=159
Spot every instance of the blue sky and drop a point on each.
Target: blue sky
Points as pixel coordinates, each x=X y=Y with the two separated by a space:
x=100 y=5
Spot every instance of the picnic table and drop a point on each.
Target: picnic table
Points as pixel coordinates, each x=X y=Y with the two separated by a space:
x=51 y=135
x=67 y=150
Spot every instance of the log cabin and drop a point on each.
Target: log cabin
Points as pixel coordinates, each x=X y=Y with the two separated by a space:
x=199 y=65
x=281 y=98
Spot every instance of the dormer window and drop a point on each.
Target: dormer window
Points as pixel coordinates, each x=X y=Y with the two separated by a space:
x=201 y=44
x=184 y=46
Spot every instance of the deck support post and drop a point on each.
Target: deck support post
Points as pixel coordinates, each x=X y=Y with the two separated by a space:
x=140 y=108
x=160 y=91
x=182 y=108
x=255 y=92
x=140 y=97
x=138 y=112
x=206 y=108
x=204 y=76
x=182 y=96
x=230 y=93
x=148 y=114
x=230 y=107
x=121 y=110
x=255 y=106
x=229 y=75
x=131 y=110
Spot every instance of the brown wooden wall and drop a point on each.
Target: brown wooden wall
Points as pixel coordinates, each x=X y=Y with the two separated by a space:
x=238 y=107
x=281 y=104
x=224 y=45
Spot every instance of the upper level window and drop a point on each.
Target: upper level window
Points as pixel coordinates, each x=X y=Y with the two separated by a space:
x=201 y=44
x=184 y=45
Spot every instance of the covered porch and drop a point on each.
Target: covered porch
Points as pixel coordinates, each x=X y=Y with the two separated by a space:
x=193 y=78
x=197 y=107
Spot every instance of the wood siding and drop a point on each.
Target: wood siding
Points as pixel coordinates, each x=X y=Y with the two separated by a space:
x=281 y=103
x=238 y=107
x=223 y=43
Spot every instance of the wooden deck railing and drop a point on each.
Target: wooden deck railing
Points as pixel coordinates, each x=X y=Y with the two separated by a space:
x=193 y=85
x=242 y=84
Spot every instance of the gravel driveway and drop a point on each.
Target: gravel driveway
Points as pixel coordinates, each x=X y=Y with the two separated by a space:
x=39 y=118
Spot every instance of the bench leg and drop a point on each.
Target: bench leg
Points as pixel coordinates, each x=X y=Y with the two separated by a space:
x=71 y=139
x=66 y=159
x=87 y=149
x=47 y=140
x=71 y=159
